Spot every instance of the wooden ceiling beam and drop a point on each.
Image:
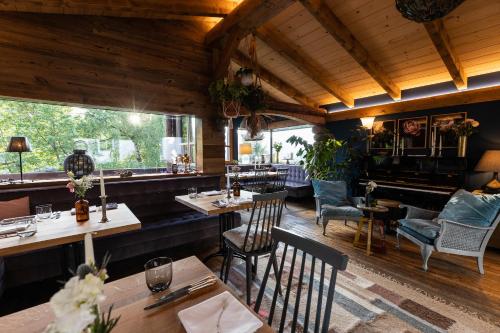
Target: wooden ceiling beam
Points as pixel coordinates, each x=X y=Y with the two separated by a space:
x=332 y=24
x=284 y=124
x=249 y=15
x=441 y=40
x=156 y=9
x=241 y=59
x=303 y=62
x=302 y=113
x=451 y=99
x=223 y=55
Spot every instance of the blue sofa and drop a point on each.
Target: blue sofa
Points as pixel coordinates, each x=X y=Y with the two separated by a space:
x=297 y=184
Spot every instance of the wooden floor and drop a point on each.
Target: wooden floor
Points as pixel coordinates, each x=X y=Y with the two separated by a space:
x=450 y=277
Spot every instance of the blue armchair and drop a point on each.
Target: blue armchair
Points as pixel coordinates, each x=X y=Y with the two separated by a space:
x=463 y=227
x=333 y=203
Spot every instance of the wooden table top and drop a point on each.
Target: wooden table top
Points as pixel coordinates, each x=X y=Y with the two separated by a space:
x=64 y=230
x=375 y=209
x=204 y=205
x=129 y=296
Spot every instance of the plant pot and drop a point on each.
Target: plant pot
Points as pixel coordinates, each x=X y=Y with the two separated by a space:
x=462 y=146
x=82 y=210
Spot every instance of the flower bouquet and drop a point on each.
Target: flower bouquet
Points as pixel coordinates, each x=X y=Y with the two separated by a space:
x=463 y=130
x=370 y=187
x=76 y=306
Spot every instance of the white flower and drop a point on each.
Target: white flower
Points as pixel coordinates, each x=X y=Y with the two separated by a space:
x=372 y=184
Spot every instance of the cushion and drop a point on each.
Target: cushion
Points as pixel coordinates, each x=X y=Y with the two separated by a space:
x=418 y=236
x=331 y=192
x=340 y=211
x=15 y=208
x=427 y=228
x=467 y=208
x=237 y=237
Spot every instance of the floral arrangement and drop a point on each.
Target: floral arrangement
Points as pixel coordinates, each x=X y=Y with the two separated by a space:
x=79 y=186
x=446 y=126
x=378 y=127
x=466 y=128
x=278 y=146
x=76 y=306
x=411 y=127
x=370 y=187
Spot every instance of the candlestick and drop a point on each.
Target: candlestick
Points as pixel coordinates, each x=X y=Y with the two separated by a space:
x=394 y=144
x=440 y=145
x=89 y=249
x=104 y=218
x=103 y=190
x=397 y=144
x=402 y=146
x=433 y=148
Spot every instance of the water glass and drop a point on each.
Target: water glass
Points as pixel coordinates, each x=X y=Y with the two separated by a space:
x=158 y=273
x=43 y=212
x=193 y=192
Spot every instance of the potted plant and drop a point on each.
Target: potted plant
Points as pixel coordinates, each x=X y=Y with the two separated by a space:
x=254 y=98
x=278 y=146
x=463 y=130
x=229 y=95
x=80 y=188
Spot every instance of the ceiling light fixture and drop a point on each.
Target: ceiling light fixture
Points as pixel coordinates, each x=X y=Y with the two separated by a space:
x=426 y=10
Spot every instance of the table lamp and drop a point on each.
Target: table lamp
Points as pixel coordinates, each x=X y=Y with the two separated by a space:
x=246 y=149
x=490 y=162
x=19 y=144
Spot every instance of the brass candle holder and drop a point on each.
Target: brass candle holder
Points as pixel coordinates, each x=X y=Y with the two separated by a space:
x=104 y=218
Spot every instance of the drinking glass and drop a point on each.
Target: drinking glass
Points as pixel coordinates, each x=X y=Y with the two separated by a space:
x=193 y=192
x=158 y=273
x=43 y=212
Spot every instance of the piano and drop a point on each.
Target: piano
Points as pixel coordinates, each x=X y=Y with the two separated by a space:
x=423 y=181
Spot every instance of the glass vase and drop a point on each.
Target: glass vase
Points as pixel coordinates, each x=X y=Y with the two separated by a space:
x=82 y=210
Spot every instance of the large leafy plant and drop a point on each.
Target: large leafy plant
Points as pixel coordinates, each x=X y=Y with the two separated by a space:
x=221 y=91
x=328 y=159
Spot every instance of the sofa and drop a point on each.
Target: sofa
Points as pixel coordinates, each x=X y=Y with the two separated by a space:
x=166 y=225
x=297 y=184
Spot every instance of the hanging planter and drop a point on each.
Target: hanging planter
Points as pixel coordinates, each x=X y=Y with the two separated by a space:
x=254 y=124
x=229 y=96
x=245 y=75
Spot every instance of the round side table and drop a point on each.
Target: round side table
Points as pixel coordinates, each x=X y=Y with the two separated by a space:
x=371 y=221
x=393 y=215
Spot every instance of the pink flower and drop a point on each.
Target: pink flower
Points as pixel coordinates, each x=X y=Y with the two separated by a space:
x=71 y=187
x=411 y=127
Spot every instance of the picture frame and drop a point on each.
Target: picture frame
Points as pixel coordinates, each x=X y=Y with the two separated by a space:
x=413 y=132
x=442 y=124
x=383 y=134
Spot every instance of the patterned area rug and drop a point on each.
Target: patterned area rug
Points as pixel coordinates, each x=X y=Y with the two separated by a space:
x=364 y=302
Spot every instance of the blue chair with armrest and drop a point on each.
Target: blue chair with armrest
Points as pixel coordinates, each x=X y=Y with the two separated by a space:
x=463 y=227
x=333 y=203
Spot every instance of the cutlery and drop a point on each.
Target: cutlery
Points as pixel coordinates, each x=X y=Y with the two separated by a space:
x=188 y=290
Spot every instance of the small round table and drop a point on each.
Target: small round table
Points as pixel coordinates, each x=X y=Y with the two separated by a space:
x=393 y=215
x=371 y=221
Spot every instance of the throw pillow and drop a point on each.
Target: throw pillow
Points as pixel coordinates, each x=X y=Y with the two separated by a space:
x=467 y=208
x=15 y=208
x=331 y=192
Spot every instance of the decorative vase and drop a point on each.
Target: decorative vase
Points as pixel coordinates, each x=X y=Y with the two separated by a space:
x=236 y=188
x=82 y=210
x=462 y=146
x=369 y=202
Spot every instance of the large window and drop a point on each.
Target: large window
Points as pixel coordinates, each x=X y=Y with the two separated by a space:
x=115 y=139
x=260 y=150
x=288 y=152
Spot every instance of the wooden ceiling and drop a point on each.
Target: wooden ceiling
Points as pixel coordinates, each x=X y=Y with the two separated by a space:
x=318 y=52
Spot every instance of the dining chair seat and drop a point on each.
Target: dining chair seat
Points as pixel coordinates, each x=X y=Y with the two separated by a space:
x=258 y=237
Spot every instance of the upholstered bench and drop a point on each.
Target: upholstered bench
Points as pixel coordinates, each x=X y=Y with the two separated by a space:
x=297 y=184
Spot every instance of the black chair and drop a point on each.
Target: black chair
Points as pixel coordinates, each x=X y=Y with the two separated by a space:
x=259 y=182
x=254 y=239
x=279 y=182
x=321 y=255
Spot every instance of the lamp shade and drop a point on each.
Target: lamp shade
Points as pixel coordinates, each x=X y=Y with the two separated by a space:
x=489 y=162
x=245 y=149
x=18 y=144
x=367 y=122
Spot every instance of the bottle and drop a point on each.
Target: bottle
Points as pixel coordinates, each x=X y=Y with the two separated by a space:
x=236 y=188
x=174 y=168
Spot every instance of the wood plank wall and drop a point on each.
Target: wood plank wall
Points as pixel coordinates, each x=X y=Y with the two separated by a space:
x=120 y=63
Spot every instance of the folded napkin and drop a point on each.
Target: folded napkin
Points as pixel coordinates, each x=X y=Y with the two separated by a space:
x=220 y=314
x=220 y=203
x=211 y=193
x=12 y=229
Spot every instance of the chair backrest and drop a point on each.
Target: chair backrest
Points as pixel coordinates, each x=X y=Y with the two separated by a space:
x=266 y=214
x=318 y=308
x=279 y=180
x=260 y=180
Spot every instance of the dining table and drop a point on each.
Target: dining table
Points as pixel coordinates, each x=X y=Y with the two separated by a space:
x=129 y=296
x=206 y=204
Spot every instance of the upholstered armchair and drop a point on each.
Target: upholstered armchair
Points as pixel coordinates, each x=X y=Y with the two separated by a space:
x=333 y=203
x=462 y=228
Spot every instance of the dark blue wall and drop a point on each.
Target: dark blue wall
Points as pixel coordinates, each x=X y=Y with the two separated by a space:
x=488 y=137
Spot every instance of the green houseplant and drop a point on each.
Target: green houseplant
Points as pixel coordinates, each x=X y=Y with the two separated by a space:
x=278 y=146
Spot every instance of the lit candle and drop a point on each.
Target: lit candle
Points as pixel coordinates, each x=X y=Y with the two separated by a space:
x=89 y=249
x=103 y=191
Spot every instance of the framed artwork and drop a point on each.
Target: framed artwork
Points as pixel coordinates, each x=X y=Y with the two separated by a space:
x=412 y=132
x=383 y=134
x=442 y=124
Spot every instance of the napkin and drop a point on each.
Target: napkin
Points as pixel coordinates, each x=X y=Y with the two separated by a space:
x=222 y=313
x=210 y=193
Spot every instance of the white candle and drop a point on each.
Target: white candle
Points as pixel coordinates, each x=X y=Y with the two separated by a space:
x=440 y=143
x=89 y=249
x=103 y=191
x=228 y=186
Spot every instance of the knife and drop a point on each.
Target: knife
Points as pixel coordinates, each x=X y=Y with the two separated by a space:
x=184 y=291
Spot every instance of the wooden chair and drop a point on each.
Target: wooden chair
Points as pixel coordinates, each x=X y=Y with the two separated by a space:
x=279 y=182
x=259 y=181
x=254 y=239
x=320 y=255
